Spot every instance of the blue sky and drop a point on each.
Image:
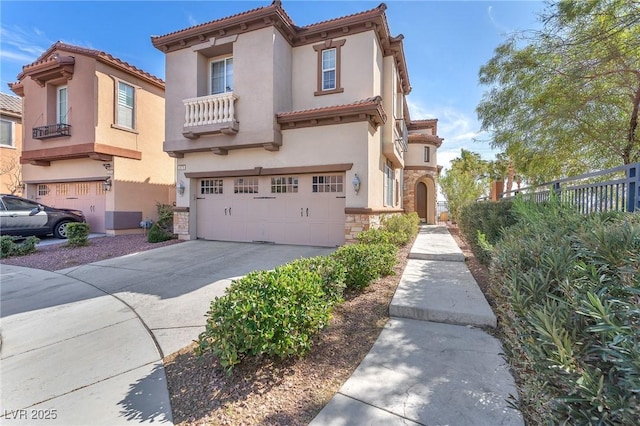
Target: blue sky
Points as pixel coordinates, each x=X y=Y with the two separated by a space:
x=445 y=43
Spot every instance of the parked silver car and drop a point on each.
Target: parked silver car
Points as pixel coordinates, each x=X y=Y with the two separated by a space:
x=22 y=217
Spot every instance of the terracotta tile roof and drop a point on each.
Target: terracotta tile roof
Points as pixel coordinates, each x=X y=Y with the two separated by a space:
x=374 y=101
x=97 y=54
x=275 y=16
x=11 y=104
x=366 y=109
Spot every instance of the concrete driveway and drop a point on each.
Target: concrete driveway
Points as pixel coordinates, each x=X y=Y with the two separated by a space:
x=85 y=345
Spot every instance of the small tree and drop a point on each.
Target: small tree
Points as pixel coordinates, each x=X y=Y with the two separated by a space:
x=11 y=168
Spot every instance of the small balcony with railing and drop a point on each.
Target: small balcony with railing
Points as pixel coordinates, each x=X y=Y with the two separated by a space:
x=395 y=148
x=210 y=115
x=51 y=131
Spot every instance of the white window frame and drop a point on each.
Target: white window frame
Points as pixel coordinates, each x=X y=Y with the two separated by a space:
x=328 y=69
x=427 y=154
x=11 y=140
x=389 y=186
x=120 y=120
x=62 y=116
x=228 y=76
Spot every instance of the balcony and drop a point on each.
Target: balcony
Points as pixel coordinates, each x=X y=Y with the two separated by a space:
x=51 y=131
x=208 y=115
x=395 y=147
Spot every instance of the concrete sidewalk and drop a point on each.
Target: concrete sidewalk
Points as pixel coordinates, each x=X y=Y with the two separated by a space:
x=432 y=364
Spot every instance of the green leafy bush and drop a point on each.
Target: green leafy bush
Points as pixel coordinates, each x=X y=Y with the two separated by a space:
x=10 y=247
x=567 y=289
x=404 y=227
x=482 y=225
x=376 y=236
x=77 y=234
x=398 y=230
x=157 y=235
x=162 y=230
x=333 y=275
x=271 y=313
x=366 y=262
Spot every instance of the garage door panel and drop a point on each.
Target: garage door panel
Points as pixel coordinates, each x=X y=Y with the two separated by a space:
x=304 y=217
x=89 y=197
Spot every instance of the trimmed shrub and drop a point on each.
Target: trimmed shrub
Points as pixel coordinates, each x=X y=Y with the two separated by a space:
x=376 y=236
x=404 y=227
x=333 y=275
x=366 y=262
x=77 y=234
x=9 y=247
x=271 y=313
x=567 y=290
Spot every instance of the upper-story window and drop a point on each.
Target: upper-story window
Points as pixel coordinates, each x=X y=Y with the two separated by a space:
x=125 y=111
x=221 y=76
x=6 y=134
x=427 y=154
x=62 y=105
x=329 y=67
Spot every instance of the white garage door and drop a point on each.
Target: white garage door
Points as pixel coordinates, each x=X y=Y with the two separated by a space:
x=302 y=209
x=86 y=196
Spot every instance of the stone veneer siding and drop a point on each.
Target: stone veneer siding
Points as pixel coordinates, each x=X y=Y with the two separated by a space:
x=181 y=223
x=358 y=222
x=411 y=177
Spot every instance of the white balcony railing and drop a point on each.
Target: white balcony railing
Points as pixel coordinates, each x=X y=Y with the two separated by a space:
x=207 y=110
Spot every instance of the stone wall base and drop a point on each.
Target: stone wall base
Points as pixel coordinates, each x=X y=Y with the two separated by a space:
x=181 y=223
x=356 y=223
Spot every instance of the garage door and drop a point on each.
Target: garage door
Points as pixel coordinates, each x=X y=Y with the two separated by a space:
x=86 y=196
x=302 y=210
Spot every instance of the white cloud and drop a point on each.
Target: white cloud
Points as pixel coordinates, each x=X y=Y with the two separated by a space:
x=22 y=45
x=192 y=20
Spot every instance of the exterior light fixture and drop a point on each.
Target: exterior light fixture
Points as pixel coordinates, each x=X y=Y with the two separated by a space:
x=106 y=185
x=356 y=183
x=180 y=188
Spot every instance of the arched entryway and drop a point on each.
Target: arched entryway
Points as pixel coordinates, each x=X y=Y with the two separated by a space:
x=426 y=200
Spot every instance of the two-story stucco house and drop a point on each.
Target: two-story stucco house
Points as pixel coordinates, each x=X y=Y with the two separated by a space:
x=10 y=144
x=288 y=134
x=94 y=127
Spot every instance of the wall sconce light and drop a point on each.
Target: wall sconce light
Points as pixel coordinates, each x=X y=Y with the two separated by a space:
x=180 y=188
x=106 y=185
x=356 y=183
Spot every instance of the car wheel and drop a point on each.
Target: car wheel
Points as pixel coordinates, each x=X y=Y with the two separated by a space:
x=60 y=230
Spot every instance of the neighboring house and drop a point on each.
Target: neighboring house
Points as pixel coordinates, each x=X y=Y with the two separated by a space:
x=10 y=144
x=296 y=135
x=93 y=139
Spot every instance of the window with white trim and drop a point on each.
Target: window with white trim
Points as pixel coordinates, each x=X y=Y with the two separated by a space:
x=389 y=185
x=125 y=109
x=245 y=185
x=329 y=69
x=6 y=133
x=427 y=154
x=62 y=105
x=283 y=184
x=327 y=183
x=221 y=76
x=211 y=186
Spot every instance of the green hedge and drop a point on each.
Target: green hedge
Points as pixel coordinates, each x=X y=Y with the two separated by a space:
x=567 y=290
x=277 y=313
x=482 y=225
x=365 y=263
